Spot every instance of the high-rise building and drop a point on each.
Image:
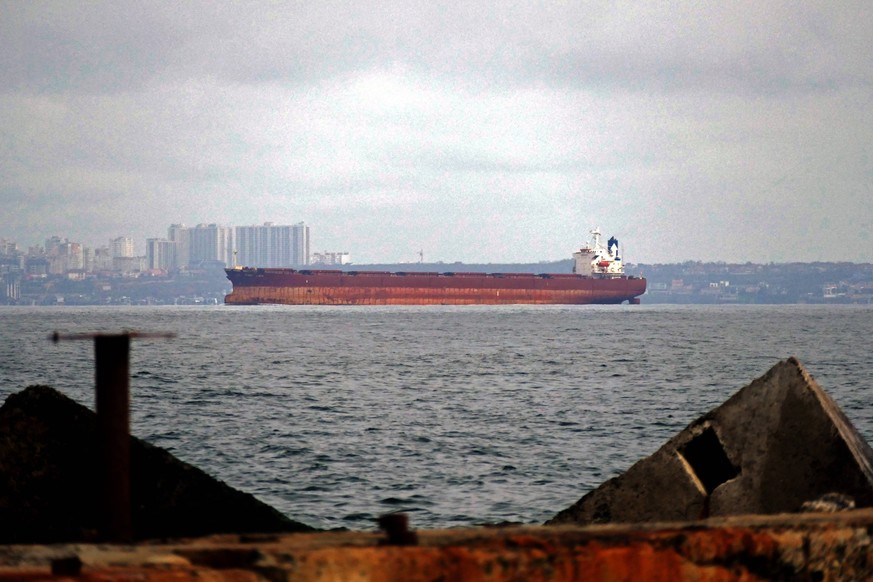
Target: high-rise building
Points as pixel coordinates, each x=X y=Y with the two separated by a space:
x=66 y=256
x=121 y=246
x=200 y=244
x=52 y=244
x=160 y=254
x=8 y=247
x=208 y=243
x=178 y=233
x=301 y=244
x=271 y=245
x=101 y=260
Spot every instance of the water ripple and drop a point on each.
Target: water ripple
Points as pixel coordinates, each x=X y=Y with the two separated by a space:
x=460 y=415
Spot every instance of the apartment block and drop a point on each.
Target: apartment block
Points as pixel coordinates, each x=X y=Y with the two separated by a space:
x=66 y=256
x=204 y=243
x=121 y=246
x=208 y=243
x=178 y=233
x=160 y=254
x=271 y=245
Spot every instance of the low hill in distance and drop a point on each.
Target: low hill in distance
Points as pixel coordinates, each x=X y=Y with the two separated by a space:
x=699 y=282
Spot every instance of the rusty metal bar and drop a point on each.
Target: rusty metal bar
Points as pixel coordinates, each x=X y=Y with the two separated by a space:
x=112 y=404
x=57 y=336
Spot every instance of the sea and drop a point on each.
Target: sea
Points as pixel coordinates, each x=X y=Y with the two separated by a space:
x=458 y=416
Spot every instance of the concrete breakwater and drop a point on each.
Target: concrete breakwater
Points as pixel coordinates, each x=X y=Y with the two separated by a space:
x=778 y=446
x=50 y=490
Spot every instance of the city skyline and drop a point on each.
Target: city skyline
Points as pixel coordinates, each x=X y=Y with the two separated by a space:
x=478 y=132
x=265 y=245
x=140 y=250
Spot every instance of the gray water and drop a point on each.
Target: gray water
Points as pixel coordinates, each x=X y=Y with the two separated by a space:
x=456 y=415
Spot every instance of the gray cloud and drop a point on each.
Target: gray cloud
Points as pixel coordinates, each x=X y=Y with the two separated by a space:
x=58 y=46
x=61 y=47
x=521 y=124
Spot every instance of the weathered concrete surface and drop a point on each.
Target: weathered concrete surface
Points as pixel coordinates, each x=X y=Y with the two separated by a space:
x=48 y=489
x=824 y=547
x=775 y=444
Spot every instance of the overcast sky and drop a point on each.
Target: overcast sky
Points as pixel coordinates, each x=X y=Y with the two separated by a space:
x=472 y=131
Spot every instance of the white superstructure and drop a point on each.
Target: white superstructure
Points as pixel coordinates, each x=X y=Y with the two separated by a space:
x=594 y=259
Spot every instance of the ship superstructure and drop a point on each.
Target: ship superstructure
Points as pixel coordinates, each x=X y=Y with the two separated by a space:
x=594 y=259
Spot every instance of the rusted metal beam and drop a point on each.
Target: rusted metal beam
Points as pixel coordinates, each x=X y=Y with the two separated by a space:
x=57 y=336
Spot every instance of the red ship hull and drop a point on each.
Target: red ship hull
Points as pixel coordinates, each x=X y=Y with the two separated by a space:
x=324 y=287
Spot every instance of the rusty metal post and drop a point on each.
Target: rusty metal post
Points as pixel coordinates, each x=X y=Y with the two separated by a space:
x=112 y=366
x=112 y=363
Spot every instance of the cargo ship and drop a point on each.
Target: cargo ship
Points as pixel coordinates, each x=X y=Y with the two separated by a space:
x=598 y=277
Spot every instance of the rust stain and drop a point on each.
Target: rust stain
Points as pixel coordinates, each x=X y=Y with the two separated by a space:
x=787 y=547
x=321 y=287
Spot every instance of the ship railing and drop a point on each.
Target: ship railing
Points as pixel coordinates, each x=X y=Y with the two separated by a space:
x=368 y=273
x=320 y=272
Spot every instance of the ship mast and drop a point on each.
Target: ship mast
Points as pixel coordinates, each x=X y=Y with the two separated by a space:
x=596 y=233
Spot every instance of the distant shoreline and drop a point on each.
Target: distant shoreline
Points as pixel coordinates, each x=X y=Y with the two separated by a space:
x=681 y=283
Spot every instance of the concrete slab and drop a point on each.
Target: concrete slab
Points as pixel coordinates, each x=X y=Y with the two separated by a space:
x=777 y=443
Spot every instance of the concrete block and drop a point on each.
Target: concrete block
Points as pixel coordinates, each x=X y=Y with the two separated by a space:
x=48 y=481
x=777 y=443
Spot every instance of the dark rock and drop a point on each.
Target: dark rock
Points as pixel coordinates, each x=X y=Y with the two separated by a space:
x=775 y=444
x=48 y=488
